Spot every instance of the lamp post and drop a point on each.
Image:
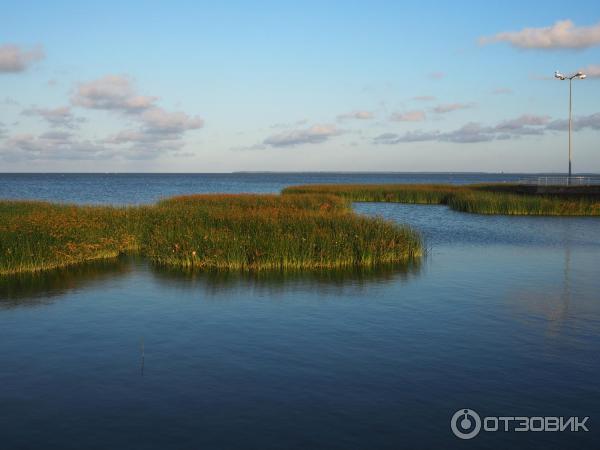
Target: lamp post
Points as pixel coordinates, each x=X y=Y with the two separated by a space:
x=578 y=76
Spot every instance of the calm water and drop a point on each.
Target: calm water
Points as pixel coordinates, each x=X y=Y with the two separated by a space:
x=147 y=188
x=502 y=317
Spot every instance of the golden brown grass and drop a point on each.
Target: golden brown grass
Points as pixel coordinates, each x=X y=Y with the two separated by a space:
x=233 y=232
x=479 y=198
x=40 y=236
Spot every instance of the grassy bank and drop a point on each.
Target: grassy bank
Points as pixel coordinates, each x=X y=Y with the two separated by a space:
x=480 y=198
x=397 y=193
x=482 y=202
x=234 y=232
x=40 y=236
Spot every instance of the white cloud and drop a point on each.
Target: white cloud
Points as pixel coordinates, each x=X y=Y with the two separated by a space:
x=241 y=148
x=360 y=115
x=449 y=107
x=424 y=98
x=411 y=136
x=592 y=122
x=527 y=124
x=312 y=135
x=57 y=135
x=56 y=117
x=592 y=71
x=16 y=59
x=469 y=133
x=409 y=116
x=50 y=146
x=130 y=136
x=144 y=144
x=289 y=125
x=159 y=130
x=113 y=92
x=63 y=145
x=161 y=121
x=563 y=34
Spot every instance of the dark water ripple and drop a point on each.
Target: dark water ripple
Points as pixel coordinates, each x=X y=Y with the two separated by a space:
x=503 y=316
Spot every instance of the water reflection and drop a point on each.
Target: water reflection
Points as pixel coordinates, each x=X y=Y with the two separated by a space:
x=561 y=312
x=364 y=359
x=43 y=288
x=552 y=300
x=274 y=282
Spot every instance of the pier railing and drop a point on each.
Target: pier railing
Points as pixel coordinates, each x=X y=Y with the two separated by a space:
x=560 y=181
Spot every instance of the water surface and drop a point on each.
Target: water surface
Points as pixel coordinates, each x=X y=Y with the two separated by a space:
x=503 y=316
x=123 y=188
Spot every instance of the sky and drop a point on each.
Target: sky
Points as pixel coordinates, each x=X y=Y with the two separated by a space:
x=178 y=86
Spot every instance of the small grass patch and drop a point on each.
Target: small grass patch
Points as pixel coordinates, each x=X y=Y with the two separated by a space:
x=482 y=202
x=221 y=232
x=478 y=198
x=38 y=236
x=431 y=194
x=255 y=232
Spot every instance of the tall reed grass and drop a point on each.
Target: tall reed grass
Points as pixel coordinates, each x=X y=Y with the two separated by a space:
x=479 y=198
x=481 y=202
x=396 y=193
x=38 y=236
x=254 y=232
x=233 y=232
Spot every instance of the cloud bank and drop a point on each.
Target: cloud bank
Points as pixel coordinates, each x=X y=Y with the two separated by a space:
x=564 y=34
x=112 y=92
x=15 y=59
x=359 y=115
x=51 y=146
x=473 y=132
x=592 y=71
x=312 y=135
x=409 y=116
x=449 y=107
x=56 y=117
x=424 y=98
x=158 y=130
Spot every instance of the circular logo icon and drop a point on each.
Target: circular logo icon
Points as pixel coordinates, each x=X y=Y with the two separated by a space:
x=465 y=424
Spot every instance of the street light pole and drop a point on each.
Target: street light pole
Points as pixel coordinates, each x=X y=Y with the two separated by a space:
x=570 y=124
x=560 y=76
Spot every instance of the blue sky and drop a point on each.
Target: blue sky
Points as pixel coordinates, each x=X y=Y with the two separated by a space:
x=226 y=86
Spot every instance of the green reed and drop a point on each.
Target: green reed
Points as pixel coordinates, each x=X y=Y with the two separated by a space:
x=514 y=204
x=478 y=198
x=396 y=193
x=39 y=236
x=233 y=232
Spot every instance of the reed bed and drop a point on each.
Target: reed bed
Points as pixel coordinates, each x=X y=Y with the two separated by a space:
x=221 y=232
x=256 y=232
x=477 y=198
x=481 y=202
x=37 y=236
x=432 y=194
